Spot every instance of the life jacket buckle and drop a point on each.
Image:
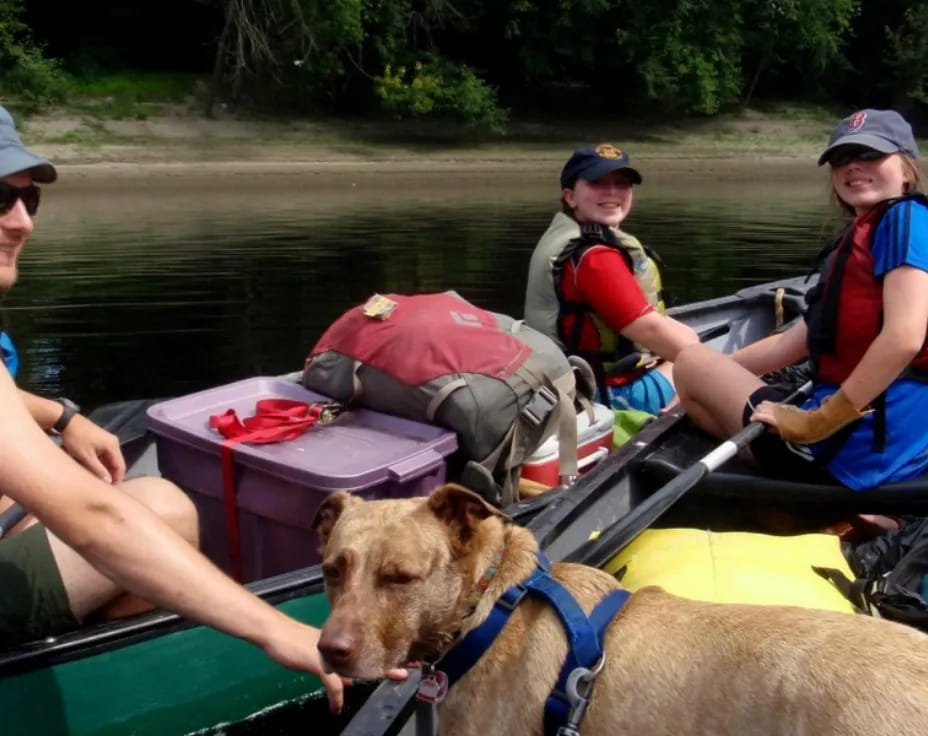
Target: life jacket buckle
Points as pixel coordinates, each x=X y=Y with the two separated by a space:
x=538 y=408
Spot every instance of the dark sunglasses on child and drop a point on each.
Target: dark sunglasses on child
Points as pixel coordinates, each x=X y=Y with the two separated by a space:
x=9 y=194
x=844 y=156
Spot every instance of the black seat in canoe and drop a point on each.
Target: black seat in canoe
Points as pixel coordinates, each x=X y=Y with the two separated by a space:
x=739 y=482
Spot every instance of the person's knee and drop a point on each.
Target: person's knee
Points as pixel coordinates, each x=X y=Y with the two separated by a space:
x=689 y=360
x=167 y=501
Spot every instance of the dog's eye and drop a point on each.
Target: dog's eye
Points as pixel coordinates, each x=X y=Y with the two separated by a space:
x=330 y=573
x=396 y=577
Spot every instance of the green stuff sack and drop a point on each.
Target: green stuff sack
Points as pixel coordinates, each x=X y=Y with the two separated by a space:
x=628 y=423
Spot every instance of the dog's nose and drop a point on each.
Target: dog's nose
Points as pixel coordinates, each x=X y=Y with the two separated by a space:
x=338 y=647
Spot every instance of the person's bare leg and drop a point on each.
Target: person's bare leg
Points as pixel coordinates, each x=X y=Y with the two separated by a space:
x=713 y=389
x=90 y=591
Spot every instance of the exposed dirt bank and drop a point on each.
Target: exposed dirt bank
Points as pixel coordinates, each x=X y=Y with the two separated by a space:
x=182 y=146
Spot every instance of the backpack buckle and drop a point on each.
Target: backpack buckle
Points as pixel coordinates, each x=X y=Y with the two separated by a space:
x=538 y=408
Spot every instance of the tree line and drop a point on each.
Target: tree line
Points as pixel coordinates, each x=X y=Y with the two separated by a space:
x=477 y=60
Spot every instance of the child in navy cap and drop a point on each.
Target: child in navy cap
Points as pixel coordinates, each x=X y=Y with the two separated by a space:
x=596 y=290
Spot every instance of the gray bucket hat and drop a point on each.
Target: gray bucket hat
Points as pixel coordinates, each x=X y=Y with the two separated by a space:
x=15 y=158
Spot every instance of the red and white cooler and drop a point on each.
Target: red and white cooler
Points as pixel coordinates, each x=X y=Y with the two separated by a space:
x=594 y=442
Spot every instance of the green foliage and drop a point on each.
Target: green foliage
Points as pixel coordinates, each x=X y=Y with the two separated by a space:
x=25 y=73
x=442 y=88
x=704 y=55
x=908 y=57
x=798 y=38
x=687 y=52
x=129 y=94
x=418 y=58
x=136 y=86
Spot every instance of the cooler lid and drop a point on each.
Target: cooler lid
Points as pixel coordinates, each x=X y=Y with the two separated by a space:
x=360 y=449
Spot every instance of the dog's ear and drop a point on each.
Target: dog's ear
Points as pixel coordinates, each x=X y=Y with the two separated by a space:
x=462 y=510
x=327 y=514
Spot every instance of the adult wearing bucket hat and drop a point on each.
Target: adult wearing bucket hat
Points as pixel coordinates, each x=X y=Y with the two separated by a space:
x=89 y=544
x=864 y=330
x=596 y=290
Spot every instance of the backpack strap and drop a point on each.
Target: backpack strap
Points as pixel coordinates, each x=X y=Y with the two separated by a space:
x=857 y=591
x=561 y=412
x=443 y=393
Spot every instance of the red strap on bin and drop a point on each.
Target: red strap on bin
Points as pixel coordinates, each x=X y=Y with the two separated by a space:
x=275 y=420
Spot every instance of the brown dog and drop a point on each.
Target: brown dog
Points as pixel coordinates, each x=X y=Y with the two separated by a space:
x=401 y=577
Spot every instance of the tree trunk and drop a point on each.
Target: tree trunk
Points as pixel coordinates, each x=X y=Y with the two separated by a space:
x=215 y=82
x=761 y=68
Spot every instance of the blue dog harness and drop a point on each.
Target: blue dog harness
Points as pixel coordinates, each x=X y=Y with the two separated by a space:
x=567 y=703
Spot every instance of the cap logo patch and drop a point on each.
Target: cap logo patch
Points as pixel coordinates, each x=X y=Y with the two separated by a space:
x=857 y=120
x=607 y=150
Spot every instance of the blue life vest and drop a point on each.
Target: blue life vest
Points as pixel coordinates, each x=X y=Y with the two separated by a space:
x=8 y=354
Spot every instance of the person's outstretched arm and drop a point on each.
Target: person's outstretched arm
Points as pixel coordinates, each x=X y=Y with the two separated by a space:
x=605 y=282
x=662 y=335
x=132 y=546
x=774 y=352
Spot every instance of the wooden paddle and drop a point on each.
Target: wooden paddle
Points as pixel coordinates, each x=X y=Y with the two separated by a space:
x=600 y=550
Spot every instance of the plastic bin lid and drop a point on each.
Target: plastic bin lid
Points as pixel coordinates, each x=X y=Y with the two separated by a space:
x=361 y=448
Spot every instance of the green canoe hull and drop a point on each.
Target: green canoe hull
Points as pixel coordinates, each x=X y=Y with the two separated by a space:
x=174 y=683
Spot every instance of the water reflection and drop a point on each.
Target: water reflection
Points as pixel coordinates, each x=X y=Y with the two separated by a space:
x=160 y=287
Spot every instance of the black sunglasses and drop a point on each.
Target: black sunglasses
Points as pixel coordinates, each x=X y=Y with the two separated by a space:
x=842 y=157
x=9 y=194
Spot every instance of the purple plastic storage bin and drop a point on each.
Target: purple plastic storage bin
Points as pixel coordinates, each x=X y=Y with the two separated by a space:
x=279 y=486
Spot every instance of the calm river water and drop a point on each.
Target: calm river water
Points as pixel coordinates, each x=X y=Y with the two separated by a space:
x=158 y=286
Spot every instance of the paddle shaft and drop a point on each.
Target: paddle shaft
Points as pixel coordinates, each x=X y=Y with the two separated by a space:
x=649 y=510
x=11 y=517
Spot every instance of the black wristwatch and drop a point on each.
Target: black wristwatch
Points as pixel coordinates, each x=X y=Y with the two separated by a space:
x=67 y=414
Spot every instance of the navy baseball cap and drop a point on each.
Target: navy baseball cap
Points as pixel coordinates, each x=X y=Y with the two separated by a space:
x=594 y=162
x=883 y=130
x=15 y=158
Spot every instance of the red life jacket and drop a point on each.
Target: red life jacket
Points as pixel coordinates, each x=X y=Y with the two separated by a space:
x=846 y=308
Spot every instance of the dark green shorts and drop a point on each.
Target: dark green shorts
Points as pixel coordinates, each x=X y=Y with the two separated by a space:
x=33 y=601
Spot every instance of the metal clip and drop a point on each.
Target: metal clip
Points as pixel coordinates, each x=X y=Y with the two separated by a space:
x=579 y=691
x=330 y=411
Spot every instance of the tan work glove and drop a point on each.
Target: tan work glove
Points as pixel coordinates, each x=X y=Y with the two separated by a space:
x=814 y=425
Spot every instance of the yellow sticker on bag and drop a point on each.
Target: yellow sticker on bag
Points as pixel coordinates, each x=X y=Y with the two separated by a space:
x=379 y=307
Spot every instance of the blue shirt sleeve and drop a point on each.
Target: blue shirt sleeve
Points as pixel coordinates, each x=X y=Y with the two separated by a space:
x=901 y=238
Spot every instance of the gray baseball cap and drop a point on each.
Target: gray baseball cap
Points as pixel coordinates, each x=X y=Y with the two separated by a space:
x=15 y=158
x=883 y=130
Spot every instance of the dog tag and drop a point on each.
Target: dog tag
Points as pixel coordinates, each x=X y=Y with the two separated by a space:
x=433 y=688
